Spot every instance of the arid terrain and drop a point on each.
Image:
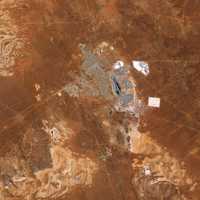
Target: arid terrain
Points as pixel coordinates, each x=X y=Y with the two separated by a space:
x=75 y=119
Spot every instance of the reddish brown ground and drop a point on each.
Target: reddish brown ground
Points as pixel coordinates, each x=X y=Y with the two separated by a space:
x=165 y=33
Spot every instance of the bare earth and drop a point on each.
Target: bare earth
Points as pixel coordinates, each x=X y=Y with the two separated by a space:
x=75 y=128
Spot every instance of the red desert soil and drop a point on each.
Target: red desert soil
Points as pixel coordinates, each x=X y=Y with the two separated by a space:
x=70 y=127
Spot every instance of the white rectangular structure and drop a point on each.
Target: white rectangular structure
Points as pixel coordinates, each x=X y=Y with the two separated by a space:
x=154 y=102
x=147 y=170
x=141 y=66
